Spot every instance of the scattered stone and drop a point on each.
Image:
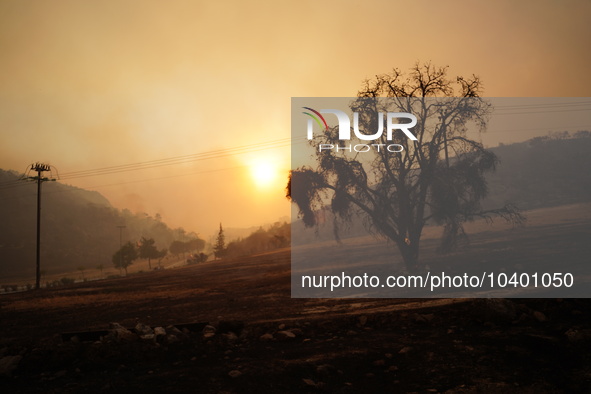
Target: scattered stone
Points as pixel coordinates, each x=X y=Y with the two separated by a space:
x=285 y=334
x=379 y=363
x=143 y=329
x=234 y=373
x=115 y=326
x=175 y=331
x=209 y=331
x=8 y=364
x=148 y=337
x=297 y=332
x=309 y=382
x=326 y=370
x=159 y=331
x=172 y=339
x=405 y=350
x=174 y=335
x=281 y=326
x=578 y=336
x=393 y=368
x=120 y=333
x=230 y=337
x=266 y=337
x=539 y=316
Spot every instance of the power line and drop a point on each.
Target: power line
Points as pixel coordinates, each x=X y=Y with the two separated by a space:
x=162 y=162
x=543 y=105
x=151 y=179
x=220 y=153
x=542 y=112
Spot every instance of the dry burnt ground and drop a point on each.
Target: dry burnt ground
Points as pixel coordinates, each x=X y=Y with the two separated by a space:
x=266 y=341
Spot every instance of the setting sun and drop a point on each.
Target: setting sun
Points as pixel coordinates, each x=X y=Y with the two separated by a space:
x=264 y=173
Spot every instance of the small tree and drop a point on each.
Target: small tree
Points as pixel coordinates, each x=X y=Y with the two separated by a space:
x=178 y=247
x=161 y=254
x=147 y=250
x=125 y=256
x=219 y=249
x=195 y=244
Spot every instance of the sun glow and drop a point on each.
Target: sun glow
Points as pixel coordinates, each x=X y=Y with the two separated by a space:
x=264 y=173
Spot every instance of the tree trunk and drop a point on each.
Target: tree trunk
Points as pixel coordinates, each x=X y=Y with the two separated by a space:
x=410 y=255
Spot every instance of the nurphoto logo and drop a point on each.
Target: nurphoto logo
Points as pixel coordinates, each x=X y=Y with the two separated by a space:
x=344 y=125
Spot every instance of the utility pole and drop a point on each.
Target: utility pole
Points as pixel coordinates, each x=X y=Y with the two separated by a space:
x=39 y=168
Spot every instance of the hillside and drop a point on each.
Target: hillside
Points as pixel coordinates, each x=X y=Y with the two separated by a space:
x=542 y=172
x=79 y=228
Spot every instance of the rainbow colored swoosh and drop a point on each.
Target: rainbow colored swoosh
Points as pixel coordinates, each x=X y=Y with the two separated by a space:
x=316 y=118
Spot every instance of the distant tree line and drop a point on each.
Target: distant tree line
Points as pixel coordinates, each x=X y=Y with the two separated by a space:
x=146 y=249
x=181 y=247
x=79 y=228
x=277 y=236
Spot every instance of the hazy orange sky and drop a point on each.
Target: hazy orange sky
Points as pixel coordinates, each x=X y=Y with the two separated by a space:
x=89 y=84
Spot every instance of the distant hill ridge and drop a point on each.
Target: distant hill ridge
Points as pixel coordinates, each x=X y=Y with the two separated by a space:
x=74 y=194
x=79 y=227
x=542 y=172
